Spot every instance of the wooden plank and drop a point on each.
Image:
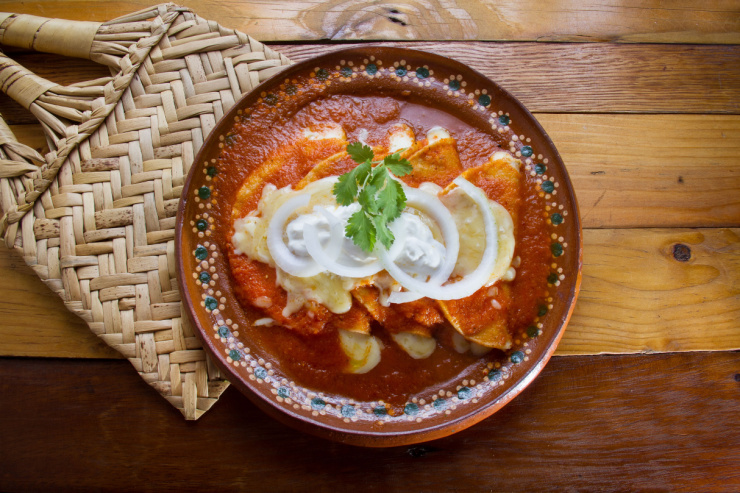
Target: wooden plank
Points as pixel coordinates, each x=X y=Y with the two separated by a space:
x=601 y=423
x=640 y=295
x=35 y=321
x=636 y=170
x=635 y=297
x=651 y=170
x=627 y=21
x=31 y=134
x=546 y=77
x=594 y=78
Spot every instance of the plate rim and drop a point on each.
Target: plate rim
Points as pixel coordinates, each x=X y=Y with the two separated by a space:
x=370 y=437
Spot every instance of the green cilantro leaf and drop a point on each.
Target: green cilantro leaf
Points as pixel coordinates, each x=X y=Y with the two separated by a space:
x=379 y=177
x=396 y=165
x=345 y=189
x=363 y=170
x=359 y=152
x=383 y=233
x=392 y=200
x=362 y=230
x=367 y=199
x=380 y=195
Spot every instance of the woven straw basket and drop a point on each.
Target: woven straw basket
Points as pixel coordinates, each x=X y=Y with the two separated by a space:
x=95 y=217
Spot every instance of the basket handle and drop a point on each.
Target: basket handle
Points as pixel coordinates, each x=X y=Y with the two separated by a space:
x=58 y=36
x=107 y=43
x=67 y=114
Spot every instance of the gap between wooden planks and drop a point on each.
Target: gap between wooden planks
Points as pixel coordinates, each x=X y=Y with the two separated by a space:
x=635 y=297
x=545 y=77
x=631 y=21
x=634 y=170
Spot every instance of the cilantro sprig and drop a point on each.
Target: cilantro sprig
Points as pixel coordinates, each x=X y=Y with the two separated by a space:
x=381 y=198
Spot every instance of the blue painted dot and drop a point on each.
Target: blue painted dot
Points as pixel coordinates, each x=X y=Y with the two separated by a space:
x=540 y=168
x=517 y=357
x=504 y=119
x=201 y=224
x=346 y=72
x=464 y=393
x=322 y=74
x=440 y=404
x=284 y=392
x=201 y=253
x=541 y=310
x=260 y=373
x=235 y=355
x=318 y=403
x=348 y=411
x=224 y=331
x=271 y=99
x=556 y=249
x=411 y=409
x=495 y=375
x=371 y=69
x=204 y=277
x=380 y=411
x=211 y=303
x=484 y=100
x=204 y=192
x=211 y=171
x=533 y=331
x=527 y=151
x=401 y=71
x=422 y=72
x=556 y=218
x=291 y=89
x=455 y=85
x=548 y=186
x=552 y=278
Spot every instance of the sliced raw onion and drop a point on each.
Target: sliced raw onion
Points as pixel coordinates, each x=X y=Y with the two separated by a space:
x=399 y=238
x=433 y=207
x=336 y=233
x=468 y=284
x=283 y=257
x=325 y=260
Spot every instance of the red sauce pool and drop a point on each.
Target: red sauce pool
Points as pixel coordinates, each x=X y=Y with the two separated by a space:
x=316 y=361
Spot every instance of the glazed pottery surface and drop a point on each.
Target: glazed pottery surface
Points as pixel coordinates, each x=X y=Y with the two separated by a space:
x=224 y=325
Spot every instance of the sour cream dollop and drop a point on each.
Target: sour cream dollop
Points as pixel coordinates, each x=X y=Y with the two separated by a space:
x=415 y=250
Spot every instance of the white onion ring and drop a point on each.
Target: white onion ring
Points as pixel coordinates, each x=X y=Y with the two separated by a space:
x=310 y=236
x=399 y=238
x=471 y=282
x=336 y=234
x=283 y=257
x=432 y=206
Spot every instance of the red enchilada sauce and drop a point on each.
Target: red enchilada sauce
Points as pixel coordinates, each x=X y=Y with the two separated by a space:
x=314 y=359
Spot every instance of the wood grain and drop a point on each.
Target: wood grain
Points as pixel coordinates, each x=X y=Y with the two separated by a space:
x=634 y=170
x=651 y=170
x=545 y=77
x=603 y=423
x=635 y=297
x=36 y=322
x=630 y=21
x=638 y=295
x=594 y=78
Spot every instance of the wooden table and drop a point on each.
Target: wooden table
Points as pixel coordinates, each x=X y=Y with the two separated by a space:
x=643 y=103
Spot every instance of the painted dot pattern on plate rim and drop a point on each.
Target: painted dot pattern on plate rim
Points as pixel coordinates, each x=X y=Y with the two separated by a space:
x=444 y=401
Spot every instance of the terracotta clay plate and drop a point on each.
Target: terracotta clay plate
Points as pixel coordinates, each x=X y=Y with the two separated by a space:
x=420 y=89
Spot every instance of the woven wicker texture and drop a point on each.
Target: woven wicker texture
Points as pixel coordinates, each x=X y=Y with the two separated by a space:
x=95 y=217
